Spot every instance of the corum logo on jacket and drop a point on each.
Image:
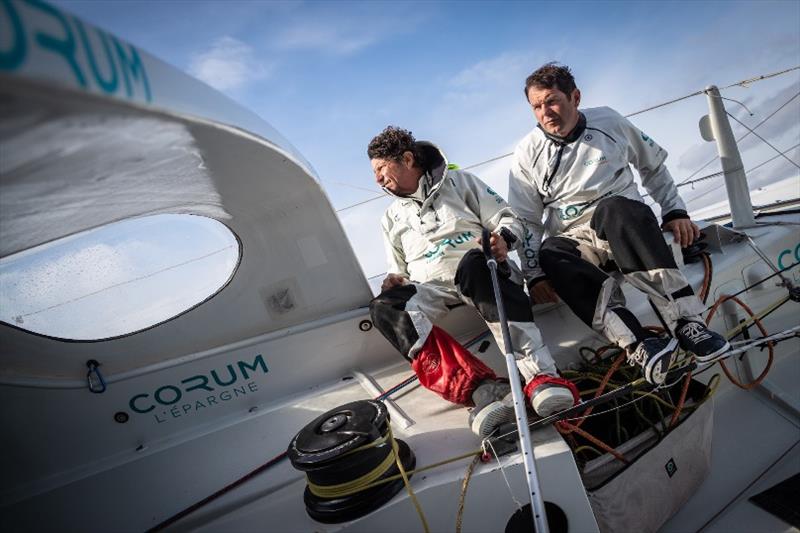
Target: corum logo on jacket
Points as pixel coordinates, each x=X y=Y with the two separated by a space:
x=441 y=247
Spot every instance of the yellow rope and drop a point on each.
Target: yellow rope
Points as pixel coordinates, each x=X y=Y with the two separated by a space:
x=462 y=499
x=586 y=447
x=424 y=468
x=747 y=323
x=406 y=482
x=353 y=486
x=370 y=479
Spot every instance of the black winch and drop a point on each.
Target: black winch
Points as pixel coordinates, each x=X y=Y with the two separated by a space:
x=342 y=452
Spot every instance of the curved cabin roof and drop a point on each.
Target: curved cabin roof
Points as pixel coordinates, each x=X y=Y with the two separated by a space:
x=95 y=131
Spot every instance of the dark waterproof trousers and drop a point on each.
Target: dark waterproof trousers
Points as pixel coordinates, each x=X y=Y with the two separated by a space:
x=405 y=315
x=623 y=235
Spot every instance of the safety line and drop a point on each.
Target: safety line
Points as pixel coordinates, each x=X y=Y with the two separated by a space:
x=742 y=137
x=742 y=83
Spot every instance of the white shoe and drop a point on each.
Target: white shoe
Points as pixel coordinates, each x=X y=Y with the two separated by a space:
x=551 y=396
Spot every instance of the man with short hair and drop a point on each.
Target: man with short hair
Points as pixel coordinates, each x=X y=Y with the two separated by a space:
x=575 y=167
x=434 y=264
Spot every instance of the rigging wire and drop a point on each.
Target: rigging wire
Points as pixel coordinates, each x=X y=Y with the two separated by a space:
x=18 y=318
x=743 y=83
x=763 y=140
x=742 y=137
x=721 y=173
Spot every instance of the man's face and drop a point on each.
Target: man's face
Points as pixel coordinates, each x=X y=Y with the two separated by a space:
x=555 y=111
x=400 y=177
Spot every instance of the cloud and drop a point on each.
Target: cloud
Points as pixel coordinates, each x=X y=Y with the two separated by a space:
x=482 y=113
x=322 y=36
x=783 y=124
x=228 y=65
x=332 y=30
x=492 y=71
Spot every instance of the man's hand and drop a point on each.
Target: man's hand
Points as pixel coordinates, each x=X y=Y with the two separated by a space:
x=684 y=230
x=499 y=247
x=542 y=292
x=393 y=280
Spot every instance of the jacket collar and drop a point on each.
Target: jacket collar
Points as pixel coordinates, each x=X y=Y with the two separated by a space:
x=434 y=163
x=572 y=136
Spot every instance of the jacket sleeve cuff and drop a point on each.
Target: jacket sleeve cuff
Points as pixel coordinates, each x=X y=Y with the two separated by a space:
x=675 y=214
x=534 y=281
x=509 y=237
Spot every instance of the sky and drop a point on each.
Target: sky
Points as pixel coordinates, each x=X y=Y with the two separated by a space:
x=331 y=75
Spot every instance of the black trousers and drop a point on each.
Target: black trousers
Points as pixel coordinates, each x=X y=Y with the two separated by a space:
x=623 y=235
x=405 y=314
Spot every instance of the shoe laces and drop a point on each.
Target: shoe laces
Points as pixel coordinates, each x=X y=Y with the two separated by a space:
x=695 y=332
x=637 y=356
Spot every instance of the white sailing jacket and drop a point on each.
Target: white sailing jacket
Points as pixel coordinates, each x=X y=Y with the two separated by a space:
x=564 y=179
x=425 y=240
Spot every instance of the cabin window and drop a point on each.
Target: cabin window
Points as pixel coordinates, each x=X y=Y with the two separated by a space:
x=118 y=279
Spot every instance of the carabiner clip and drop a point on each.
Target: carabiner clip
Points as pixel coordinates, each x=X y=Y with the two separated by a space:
x=94 y=378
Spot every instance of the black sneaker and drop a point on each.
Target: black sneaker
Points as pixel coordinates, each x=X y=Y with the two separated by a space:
x=494 y=406
x=654 y=355
x=706 y=345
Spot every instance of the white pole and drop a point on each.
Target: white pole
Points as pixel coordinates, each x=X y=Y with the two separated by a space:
x=537 y=502
x=735 y=179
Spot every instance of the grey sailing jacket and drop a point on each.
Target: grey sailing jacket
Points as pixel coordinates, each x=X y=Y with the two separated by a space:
x=426 y=240
x=563 y=179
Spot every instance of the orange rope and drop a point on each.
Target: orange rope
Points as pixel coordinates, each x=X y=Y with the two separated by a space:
x=757 y=322
x=600 y=389
x=705 y=287
x=591 y=438
x=681 y=400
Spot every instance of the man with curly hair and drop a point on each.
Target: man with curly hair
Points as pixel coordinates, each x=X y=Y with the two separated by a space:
x=431 y=232
x=575 y=168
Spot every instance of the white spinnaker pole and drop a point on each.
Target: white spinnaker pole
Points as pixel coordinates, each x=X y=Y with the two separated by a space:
x=537 y=503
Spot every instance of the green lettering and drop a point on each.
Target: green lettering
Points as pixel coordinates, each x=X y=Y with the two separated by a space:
x=219 y=381
x=780 y=258
x=257 y=362
x=132 y=404
x=110 y=85
x=14 y=57
x=175 y=390
x=132 y=68
x=202 y=385
x=64 y=46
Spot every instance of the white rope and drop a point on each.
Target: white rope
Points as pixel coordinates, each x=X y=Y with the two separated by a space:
x=791 y=332
x=502 y=470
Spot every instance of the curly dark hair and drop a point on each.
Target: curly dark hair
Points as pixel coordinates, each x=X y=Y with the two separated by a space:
x=392 y=143
x=551 y=75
